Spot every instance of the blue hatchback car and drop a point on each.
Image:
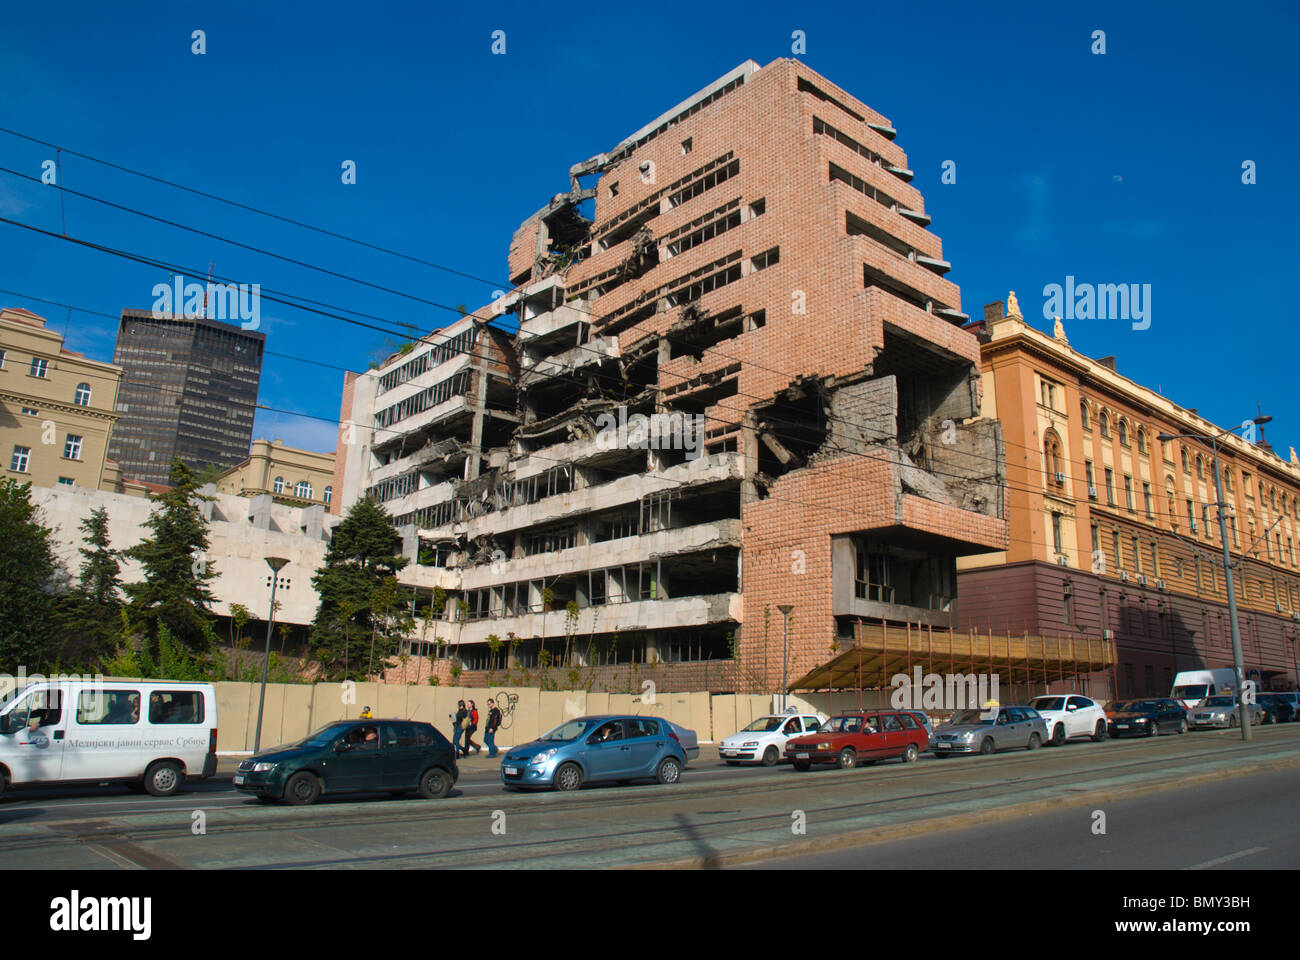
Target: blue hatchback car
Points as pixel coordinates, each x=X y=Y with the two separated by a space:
x=591 y=749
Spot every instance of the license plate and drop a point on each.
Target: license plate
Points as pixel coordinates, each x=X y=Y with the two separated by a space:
x=728 y=753
x=1121 y=726
x=511 y=771
x=239 y=779
x=801 y=756
x=943 y=746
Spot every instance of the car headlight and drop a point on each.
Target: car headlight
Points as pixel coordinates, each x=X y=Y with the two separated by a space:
x=750 y=743
x=264 y=767
x=540 y=758
x=1140 y=720
x=966 y=736
x=824 y=746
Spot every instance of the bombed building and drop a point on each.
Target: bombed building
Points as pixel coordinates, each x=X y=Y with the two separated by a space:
x=730 y=378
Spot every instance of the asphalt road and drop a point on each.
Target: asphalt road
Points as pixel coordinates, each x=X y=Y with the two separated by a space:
x=1245 y=823
x=716 y=814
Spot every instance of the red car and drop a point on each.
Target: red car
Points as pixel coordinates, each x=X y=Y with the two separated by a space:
x=860 y=738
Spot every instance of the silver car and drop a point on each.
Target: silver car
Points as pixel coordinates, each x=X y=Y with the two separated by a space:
x=983 y=731
x=1222 y=711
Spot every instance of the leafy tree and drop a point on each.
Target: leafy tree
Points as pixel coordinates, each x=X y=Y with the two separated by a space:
x=364 y=552
x=175 y=590
x=28 y=569
x=89 y=616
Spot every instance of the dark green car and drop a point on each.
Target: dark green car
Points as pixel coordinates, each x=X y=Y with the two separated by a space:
x=354 y=756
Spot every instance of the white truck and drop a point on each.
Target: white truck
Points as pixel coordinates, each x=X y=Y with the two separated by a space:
x=150 y=734
x=1194 y=686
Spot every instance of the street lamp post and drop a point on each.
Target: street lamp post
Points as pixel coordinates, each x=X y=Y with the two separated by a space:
x=785 y=609
x=276 y=564
x=1243 y=714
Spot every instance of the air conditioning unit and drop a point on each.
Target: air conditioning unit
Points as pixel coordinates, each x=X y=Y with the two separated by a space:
x=1279 y=607
x=1060 y=477
x=1295 y=616
x=1063 y=560
x=1123 y=575
x=1193 y=523
x=1108 y=634
x=1142 y=579
x=1160 y=585
x=1092 y=493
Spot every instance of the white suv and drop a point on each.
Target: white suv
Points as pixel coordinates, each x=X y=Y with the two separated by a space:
x=1070 y=715
x=764 y=739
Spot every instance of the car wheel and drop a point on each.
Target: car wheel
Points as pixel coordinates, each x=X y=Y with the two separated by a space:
x=163 y=778
x=1058 y=735
x=670 y=771
x=1182 y=726
x=1034 y=742
x=302 y=789
x=770 y=756
x=435 y=784
x=1099 y=734
x=802 y=765
x=987 y=746
x=568 y=777
x=848 y=759
x=1232 y=722
x=911 y=754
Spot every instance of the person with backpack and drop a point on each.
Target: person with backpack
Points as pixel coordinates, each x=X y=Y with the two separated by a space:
x=471 y=725
x=490 y=731
x=458 y=727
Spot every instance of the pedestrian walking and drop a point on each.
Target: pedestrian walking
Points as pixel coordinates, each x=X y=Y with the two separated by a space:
x=470 y=727
x=490 y=731
x=458 y=727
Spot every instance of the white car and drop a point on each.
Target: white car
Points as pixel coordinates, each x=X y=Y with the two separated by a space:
x=763 y=741
x=1070 y=715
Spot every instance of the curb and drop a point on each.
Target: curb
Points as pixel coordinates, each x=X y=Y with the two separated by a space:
x=902 y=831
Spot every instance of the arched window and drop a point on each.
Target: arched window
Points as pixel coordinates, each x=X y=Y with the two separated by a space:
x=278 y=486
x=1052 y=457
x=1123 y=432
x=1142 y=440
x=1103 y=422
x=1200 y=465
x=82 y=396
x=1184 y=453
x=329 y=495
x=1083 y=415
x=303 y=490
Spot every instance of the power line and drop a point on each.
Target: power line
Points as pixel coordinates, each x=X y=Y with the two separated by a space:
x=252 y=209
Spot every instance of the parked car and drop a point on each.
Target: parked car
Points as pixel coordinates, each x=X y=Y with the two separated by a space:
x=851 y=739
x=354 y=756
x=1070 y=715
x=1277 y=707
x=1149 y=717
x=687 y=738
x=987 y=731
x=152 y=735
x=1223 y=711
x=592 y=749
x=763 y=741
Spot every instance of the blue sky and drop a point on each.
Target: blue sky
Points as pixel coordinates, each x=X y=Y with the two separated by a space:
x=1120 y=168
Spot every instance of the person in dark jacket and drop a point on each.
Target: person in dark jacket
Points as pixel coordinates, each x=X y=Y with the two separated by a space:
x=471 y=725
x=490 y=731
x=458 y=727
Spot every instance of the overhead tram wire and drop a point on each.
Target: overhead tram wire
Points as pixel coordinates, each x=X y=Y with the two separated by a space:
x=252 y=209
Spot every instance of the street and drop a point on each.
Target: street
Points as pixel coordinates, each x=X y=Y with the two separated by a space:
x=1025 y=809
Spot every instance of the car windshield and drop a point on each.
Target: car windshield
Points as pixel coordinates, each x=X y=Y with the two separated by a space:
x=964 y=717
x=764 y=724
x=847 y=724
x=1140 y=706
x=324 y=736
x=568 y=731
x=1048 y=703
x=1119 y=706
x=1221 y=702
x=1194 y=691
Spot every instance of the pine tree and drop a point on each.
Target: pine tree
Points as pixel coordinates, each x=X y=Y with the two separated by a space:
x=358 y=595
x=89 y=615
x=27 y=572
x=176 y=570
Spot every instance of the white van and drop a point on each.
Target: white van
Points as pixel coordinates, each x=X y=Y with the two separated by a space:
x=1194 y=686
x=151 y=734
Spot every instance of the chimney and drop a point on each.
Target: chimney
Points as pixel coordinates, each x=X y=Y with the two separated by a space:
x=1108 y=363
x=995 y=311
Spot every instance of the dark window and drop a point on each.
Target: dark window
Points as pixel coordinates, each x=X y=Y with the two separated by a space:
x=176 y=706
x=108 y=706
x=892 y=724
x=400 y=735
x=909 y=722
x=642 y=727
